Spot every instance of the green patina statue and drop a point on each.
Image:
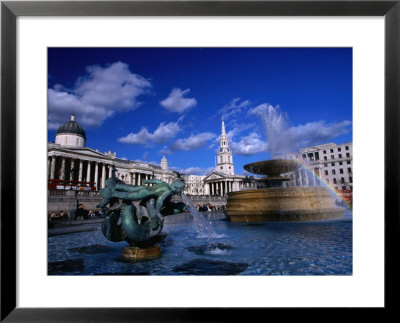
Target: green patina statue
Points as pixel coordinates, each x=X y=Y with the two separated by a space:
x=139 y=225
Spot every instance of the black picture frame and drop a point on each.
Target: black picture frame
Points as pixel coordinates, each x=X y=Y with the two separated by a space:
x=10 y=10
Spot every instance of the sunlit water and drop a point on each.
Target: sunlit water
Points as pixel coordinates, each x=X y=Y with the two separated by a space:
x=308 y=248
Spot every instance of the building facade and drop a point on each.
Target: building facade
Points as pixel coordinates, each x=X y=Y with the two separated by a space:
x=70 y=160
x=194 y=185
x=330 y=162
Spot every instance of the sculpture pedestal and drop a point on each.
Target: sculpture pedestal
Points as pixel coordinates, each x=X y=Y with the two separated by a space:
x=136 y=253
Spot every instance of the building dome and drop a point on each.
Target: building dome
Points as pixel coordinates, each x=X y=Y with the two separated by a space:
x=72 y=127
x=71 y=134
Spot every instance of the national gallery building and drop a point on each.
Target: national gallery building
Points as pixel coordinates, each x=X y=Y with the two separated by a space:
x=72 y=165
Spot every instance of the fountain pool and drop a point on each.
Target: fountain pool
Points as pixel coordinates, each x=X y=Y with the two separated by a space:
x=299 y=248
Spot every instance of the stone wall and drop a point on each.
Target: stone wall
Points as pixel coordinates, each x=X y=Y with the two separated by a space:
x=67 y=201
x=64 y=200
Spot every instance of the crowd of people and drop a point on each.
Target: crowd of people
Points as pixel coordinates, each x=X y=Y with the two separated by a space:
x=209 y=207
x=81 y=213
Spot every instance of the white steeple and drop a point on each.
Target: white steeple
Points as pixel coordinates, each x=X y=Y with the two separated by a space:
x=164 y=163
x=224 y=154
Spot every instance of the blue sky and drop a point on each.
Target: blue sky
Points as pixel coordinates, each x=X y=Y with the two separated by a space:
x=143 y=103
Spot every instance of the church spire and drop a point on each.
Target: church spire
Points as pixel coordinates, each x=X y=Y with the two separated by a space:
x=224 y=153
x=223 y=133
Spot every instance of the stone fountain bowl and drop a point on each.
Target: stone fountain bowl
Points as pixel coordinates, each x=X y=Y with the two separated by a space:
x=273 y=167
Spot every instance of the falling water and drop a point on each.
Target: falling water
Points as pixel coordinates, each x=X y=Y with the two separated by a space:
x=202 y=224
x=204 y=228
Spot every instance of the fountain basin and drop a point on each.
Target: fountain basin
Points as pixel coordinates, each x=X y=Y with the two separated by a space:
x=273 y=167
x=282 y=204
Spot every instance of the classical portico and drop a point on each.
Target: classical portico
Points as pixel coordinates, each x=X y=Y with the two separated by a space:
x=220 y=184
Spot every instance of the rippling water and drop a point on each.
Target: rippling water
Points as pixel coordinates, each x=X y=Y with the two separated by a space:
x=308 y=248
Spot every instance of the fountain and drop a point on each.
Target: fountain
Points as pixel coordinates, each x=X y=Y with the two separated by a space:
x=273 y=202
x=207 y=245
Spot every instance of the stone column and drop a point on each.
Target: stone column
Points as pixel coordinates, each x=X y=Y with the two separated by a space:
x=88 y=171
x=139 y=179
x=53 y=167
x=80 y=170
x=109 y=171
x=62 y=171
x=103 y=176
x=96 y=174
x=72 y=170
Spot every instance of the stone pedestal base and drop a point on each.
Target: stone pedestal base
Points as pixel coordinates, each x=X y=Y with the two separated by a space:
x=136 y=253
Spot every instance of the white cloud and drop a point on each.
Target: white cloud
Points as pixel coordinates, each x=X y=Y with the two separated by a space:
x=164 y=132
x=249 y=145
x=194 y=170
x=315 y=133
x=97 y=95
x=191 y=143
x=175 y=102
x=234 y=107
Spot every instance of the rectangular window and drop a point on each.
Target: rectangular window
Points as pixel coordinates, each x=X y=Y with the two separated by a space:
x=317 y=156
x=347 y=147
x=325 y=165
x=340 y=163
x=339 y=149
x=331 y=150
x=348 y=162
x=326 y=172
x=334 y=181
x=332 y=157
x=342 y=180
x=349 y=170
x=341 y=171
x=350 y=179
x=325 y=158
x=340 y=155
x=333 y=172
x=304 y=156
x=347 y=154
x=333 y=164
x=324 y=151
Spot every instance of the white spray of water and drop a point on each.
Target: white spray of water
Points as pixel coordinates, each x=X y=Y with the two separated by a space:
x=203 y=225
x=276 y=125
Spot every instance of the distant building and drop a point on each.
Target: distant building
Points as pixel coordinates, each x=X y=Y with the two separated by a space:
x=194 y=184
x=70 y=160
x=330 y=162
x=223 y=179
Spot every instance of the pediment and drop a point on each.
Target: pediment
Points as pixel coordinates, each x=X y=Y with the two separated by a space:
x=215 y=176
